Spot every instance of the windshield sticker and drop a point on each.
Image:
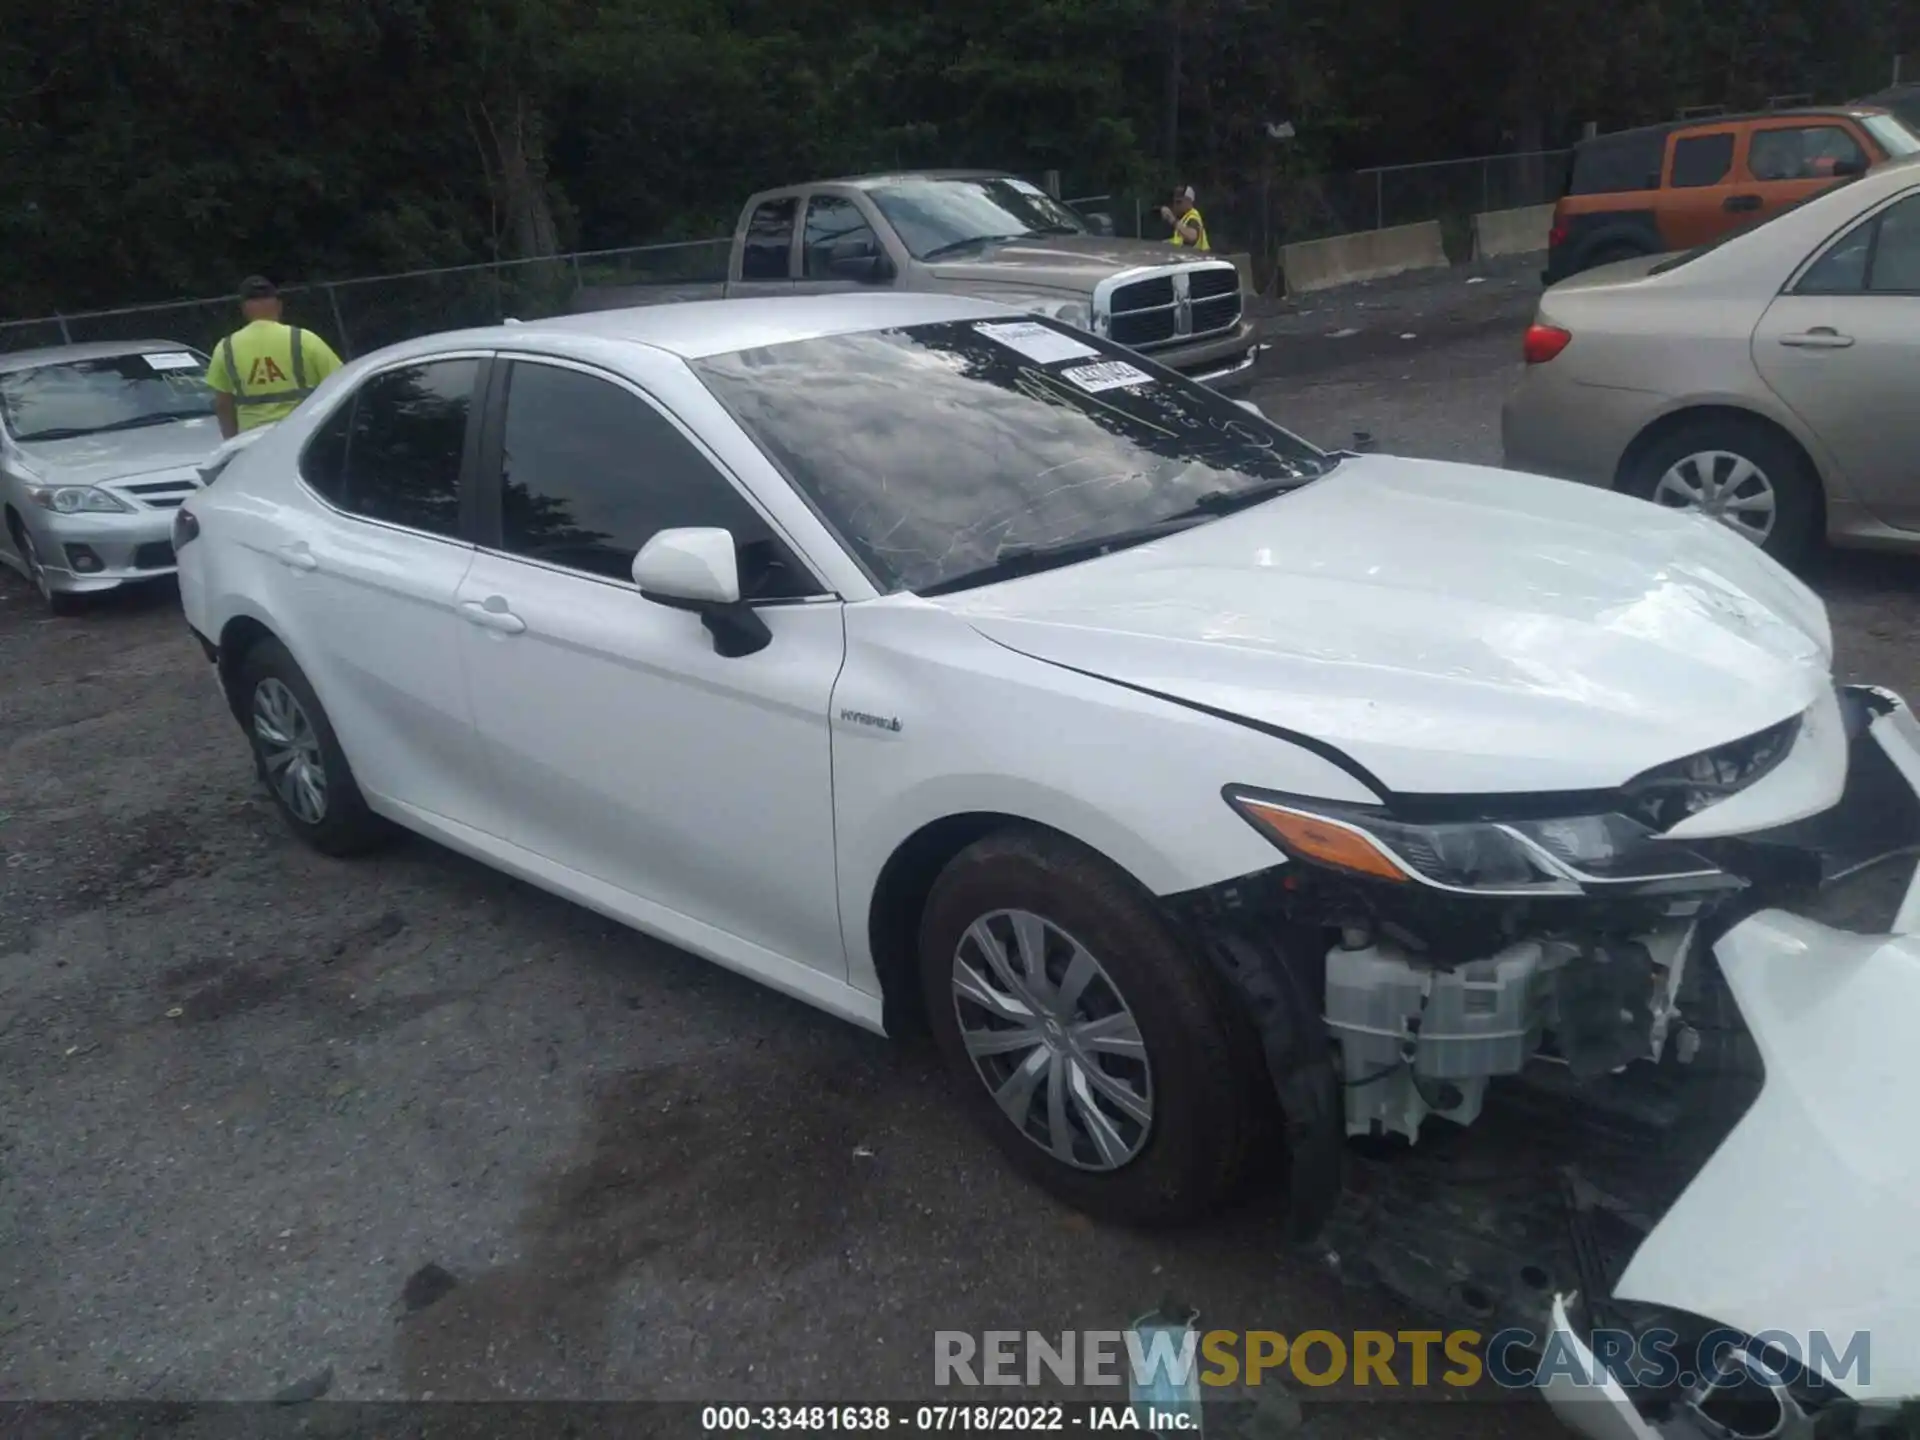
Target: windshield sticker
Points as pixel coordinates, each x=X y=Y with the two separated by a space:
x=1037 y=342
x=1108 y=375
x=172 y=360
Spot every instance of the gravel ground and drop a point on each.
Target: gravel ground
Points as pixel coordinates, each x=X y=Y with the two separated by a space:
x=403 y=1128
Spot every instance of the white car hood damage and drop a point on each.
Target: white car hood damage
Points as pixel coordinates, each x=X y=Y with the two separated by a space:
x=1451 y=628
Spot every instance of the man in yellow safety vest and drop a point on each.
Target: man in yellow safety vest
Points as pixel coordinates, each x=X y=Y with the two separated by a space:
x=1184 y=216
x=265 y=368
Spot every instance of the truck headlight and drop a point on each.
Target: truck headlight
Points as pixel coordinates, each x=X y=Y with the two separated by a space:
x=77 y=500
x=1561 y=856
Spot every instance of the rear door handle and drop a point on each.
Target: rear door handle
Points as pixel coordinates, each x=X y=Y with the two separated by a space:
x=298 y=557
x=1821 y=337
x=1742 y=202
x=492 y=614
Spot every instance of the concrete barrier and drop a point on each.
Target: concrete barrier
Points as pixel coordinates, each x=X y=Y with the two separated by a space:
x=1511 y=232
x=1363 y=255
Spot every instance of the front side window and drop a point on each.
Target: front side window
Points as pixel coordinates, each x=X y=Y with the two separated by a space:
x=839 y=245
x=935 y=217
x=1702 y=159
x=1806 y=152
x=393 y=451
x=66 y=400
x=937 y=451
x=590 y=472
x=769 y=246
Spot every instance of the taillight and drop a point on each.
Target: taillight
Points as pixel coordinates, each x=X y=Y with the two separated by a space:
x=1556 y=237
x=185 y=529
x=1543 y=342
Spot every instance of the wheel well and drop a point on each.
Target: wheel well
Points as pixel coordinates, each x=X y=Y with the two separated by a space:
x=1711 y=414
x=239 y=637
x=900 y=897
x=15 y=524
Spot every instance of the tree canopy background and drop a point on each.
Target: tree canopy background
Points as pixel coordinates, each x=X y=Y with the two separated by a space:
x=151 y=149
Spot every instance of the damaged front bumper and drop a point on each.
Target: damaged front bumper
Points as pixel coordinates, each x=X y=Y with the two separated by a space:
x=1802 y=1228
x=1753 y=1176
x=1801 y=1233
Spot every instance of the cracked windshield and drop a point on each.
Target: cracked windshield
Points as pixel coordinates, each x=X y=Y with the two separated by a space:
x=950 y=452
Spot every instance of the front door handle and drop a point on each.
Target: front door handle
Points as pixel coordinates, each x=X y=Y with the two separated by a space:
x=1742 y=202
x=1821 y=337
x=492 y=614
x=298 y=557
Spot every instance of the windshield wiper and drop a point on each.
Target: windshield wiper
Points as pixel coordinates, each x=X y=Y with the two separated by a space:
x=132 y=422
x=1225 y=502
x=1016 y=560
x=954 y=247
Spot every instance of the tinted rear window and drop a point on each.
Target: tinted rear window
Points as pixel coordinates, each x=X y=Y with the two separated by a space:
x=1617 y=162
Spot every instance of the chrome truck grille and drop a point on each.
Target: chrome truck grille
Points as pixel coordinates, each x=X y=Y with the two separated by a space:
x=1162 y=305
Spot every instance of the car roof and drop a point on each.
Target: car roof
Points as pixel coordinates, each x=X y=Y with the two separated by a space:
x=694 y=329
x=894 y=177
x=14 y=360
x=1806 y=112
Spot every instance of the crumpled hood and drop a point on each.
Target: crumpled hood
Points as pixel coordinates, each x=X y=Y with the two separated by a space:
x=90 y=459
x=1453 y=629
x=1074 y=263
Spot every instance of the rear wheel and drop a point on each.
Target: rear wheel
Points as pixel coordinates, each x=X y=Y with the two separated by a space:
x=299 y=758
x=1098 y=1051
x=1740 y=473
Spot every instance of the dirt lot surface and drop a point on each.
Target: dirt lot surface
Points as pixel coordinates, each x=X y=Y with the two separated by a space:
x=405 y=1128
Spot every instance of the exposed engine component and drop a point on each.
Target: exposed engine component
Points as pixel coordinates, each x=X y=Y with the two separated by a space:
x=1418 y=1038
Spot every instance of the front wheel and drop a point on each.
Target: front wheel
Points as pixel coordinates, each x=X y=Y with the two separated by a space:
x=299 y=757
x=1739 y=473
x=58 y=602
x=1103 y=1056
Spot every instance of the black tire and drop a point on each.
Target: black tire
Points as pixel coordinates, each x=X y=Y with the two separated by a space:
x=57 y=602
x=1799 y=520
x=1213 y=1109
x=345 y=825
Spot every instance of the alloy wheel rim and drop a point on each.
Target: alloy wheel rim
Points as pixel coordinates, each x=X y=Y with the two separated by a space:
x=1053 y=1040
x=290 y=751
x=1723 y=486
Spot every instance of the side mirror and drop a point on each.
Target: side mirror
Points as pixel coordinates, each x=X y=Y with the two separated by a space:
x=697 y=568
x=1843 y=169
x=1099 y=223
x=862 y=262
x=1252 y=408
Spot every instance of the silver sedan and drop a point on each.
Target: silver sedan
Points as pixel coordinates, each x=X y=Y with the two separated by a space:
x=1770 y=380
x=99 y=444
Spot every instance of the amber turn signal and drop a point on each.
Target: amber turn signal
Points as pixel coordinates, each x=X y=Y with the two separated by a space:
x=1326 y=842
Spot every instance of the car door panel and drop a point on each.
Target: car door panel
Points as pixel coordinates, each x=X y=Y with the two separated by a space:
x=367 y=605
x=1847 y=361
x=621 y=745
x=1699 y=175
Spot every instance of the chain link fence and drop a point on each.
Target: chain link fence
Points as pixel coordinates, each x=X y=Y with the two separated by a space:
x=363 y=314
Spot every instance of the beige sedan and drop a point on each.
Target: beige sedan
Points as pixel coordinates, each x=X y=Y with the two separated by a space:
x=1770 y=380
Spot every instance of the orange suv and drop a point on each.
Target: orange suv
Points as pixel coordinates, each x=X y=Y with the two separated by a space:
x=1682 y=184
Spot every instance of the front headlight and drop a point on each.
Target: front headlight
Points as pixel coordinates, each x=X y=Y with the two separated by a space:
x=78 y=500
x=1077 y=313
x=1562 y=856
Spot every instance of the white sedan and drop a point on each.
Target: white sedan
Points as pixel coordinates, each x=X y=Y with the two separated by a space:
x=1211 y=796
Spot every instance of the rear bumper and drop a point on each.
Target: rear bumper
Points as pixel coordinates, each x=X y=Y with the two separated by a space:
x=1561 y=428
